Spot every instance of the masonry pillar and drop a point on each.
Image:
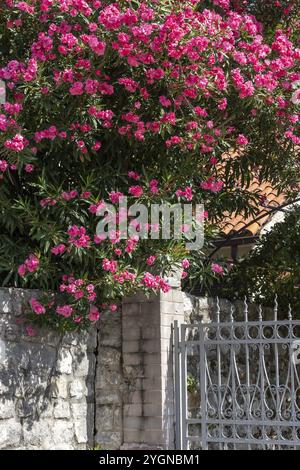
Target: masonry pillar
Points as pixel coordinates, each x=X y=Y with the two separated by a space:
x=147 y=347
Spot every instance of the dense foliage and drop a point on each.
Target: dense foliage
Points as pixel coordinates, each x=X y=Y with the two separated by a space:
x=272 y=268
x=161 y=101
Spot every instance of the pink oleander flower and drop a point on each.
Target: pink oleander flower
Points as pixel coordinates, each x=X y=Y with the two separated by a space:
x=153 y=186
x=79 y=295
x=110 y=266
x=185 y=264
x=94 y=314
x=29 y=168
x=134 y=175
x=185 y=228
x=31 y=265
x=217 y=269
x=85 y=195
x=223 y=104
x=65 y=310
x=151 y=260
x=59 y=249
x=97 y=146
x=212 y=185
x=115 y=197
x=3 y=165
x=78 y=237
x=69 y=196
x=48 y=202
x=17 y=143
x=242 y=140
x=165 y=101
x=131 y=244
x=155 y=282
x=94 y=208
x=113 y=308
x=37 y=307
x=22 y=270
x=77 y=89
x=187 y=193
x=136 y=191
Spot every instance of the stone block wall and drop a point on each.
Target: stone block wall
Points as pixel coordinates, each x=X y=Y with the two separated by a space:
x=112 y=387
x=46 y=383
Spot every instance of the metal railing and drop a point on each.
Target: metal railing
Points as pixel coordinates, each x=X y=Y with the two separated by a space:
x=238 y=383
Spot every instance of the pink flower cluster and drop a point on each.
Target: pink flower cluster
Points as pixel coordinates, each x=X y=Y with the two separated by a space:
x=136 y=191
x=17 y=143
x=217 y=268
x=187 y=193
x=3 y=166
x=110 y=266
x=64 y=310
x=31 y=264
x=59 y=249
x=155 y=283
x=125 y=276
x=37 y=307
x=78 y=288
x=78 y=237
x=212 y=185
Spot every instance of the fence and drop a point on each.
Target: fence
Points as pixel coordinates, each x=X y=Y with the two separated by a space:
x=238 y=383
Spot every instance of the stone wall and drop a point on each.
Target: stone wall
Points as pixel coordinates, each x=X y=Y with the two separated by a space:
x=112 y=388
x=46 y=383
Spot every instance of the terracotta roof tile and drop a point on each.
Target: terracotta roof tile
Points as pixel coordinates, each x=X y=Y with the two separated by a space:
x=269 y=196
x=235 y=222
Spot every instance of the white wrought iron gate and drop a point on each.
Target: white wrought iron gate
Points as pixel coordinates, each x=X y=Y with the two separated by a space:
x=238 y=384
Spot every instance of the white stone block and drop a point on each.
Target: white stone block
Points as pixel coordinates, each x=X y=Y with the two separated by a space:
x=78 y=389
x=62 y=410
x=10 y=433
x=64 y=363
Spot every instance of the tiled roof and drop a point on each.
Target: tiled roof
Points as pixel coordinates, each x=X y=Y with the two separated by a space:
x=270 y=197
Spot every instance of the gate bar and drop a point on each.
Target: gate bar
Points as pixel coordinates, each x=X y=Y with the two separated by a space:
x=183 y=381
x=203 y=385
x=178 y=401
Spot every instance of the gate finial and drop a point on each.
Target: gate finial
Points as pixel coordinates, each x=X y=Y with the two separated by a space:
x=276 y=308
x=231 y=313
x=260 y=313
x=246 y=309
x=218 y=310
x=290 y=317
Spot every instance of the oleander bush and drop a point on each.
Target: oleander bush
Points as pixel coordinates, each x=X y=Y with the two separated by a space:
x=160 y=101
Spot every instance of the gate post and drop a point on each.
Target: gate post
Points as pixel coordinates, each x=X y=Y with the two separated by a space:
x=148 y=363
